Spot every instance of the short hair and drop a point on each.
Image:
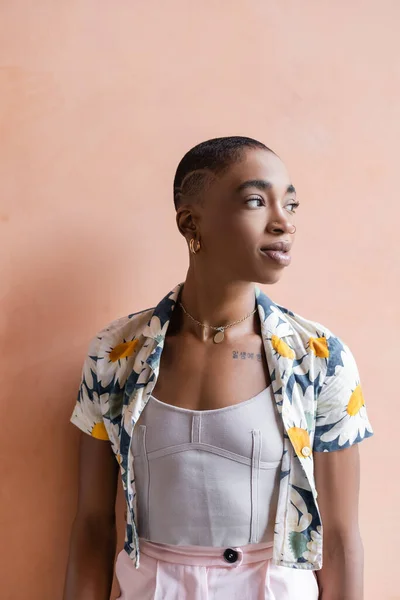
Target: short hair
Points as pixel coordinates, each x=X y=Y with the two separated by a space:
x=209 y=158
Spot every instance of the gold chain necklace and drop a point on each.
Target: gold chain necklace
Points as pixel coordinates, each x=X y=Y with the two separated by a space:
x=220 y=335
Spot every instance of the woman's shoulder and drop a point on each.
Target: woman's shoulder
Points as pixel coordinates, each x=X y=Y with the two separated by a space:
x=124 y=329
x=112 y=351
x=302 y=324
x=332 y=362
x=318 y=338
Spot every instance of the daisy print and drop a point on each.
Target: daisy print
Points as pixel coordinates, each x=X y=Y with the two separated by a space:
x=156 y=330
x=272 y=322
x=314 y=546
x=352 y=426
x=299 y=520
x=341 y=418
x=89 y=371
x=318 y=345
x=115 y=360
x=87 y=413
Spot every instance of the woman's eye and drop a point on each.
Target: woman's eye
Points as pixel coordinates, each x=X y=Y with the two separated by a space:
x=292 y=206
x=255 y=202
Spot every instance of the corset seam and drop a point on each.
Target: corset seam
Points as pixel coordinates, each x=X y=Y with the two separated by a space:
x=255 y=476
x=155 y=454
x=145 y=531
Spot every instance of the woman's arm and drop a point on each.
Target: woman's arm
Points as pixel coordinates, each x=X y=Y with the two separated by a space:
x=93 y=537
x=337 y=476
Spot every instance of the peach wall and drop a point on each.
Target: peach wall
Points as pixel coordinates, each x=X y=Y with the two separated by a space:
x=98 y=102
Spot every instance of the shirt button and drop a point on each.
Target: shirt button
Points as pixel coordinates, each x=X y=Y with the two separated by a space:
x=306 y=451
x=230 y=555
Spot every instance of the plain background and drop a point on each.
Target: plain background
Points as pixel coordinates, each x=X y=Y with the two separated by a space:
x=98 y=103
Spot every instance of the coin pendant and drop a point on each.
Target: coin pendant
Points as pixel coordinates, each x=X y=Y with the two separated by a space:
x=219 y=337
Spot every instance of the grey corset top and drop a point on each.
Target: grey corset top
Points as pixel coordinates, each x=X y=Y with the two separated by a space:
x=208 y=478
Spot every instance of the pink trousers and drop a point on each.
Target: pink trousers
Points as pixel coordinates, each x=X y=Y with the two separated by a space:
x=199 y=573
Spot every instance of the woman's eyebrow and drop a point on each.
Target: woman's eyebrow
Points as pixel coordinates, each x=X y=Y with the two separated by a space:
x=262 y=184
x=291 y=189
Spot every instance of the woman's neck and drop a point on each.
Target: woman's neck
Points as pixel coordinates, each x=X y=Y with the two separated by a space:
x=216 y=303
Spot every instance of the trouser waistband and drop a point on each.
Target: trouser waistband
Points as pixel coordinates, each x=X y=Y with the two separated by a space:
x=207 y=556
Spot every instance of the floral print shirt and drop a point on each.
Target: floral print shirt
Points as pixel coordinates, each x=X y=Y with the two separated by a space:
x=317 y=392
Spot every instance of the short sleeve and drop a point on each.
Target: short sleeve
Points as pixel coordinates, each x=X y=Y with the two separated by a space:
x=341 y=416
x=87 y=413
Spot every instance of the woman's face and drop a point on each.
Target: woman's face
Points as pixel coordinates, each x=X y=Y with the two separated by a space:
x=246 y=209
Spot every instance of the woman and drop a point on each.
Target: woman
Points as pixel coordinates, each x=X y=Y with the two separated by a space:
x=228 y=415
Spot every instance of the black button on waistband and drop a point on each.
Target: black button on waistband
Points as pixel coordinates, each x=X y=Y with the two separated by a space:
x=230 y=555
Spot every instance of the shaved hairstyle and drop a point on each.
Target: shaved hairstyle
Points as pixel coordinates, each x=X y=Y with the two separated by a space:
x=206 y=160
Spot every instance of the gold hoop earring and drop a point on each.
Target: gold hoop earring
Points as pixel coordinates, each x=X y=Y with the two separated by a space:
x=194 y=250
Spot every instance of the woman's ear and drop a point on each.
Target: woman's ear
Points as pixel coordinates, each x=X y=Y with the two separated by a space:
x=186 y=221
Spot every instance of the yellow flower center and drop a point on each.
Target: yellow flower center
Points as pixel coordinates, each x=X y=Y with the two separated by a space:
x=319 y=346
x=123 y=350
x=281 y=347
x=300 y=440
x=356 y=402
x=99 y=432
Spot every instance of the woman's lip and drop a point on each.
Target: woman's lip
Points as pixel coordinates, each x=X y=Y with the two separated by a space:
x=282 y=258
